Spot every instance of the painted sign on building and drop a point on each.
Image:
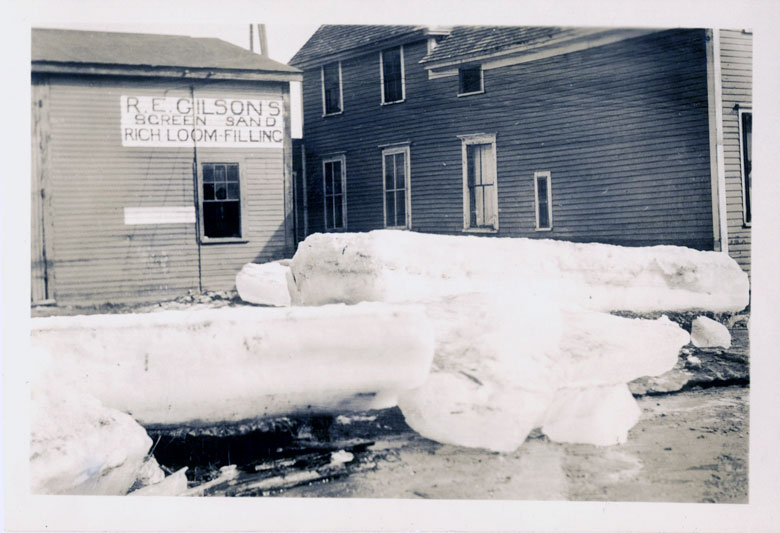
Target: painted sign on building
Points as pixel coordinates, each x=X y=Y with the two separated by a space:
x=172 y=121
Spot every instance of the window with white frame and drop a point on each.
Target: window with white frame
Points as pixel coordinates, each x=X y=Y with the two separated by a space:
x=334 y=184
x=391 y=71
x=480 y=184
x=543 y=193
x=395 y=184
x=220 y=201
x=470 y=80
x=746 y=148
x=332 y=94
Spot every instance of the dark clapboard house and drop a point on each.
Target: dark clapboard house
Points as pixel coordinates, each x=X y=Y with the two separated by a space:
x=160 y=164
x=624 y=136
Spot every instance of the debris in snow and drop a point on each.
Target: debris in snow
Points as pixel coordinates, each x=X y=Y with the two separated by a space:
x=692 y=359
x=149 y=474
x=340 y=457
x=226 y=474
x=265 y=284
x=78 y=446
x=707 y=333
x=596 y=415
x=394 y=266
x=173 y=485
x=231 y=364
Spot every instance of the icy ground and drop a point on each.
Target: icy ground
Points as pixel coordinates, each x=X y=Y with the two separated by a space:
x=511 y=338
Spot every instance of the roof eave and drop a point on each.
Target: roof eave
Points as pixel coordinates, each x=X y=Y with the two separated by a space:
x=593 y=38
x=99 y=69
x=418 y=33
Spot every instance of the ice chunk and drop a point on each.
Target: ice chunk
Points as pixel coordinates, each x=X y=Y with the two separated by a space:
x=173 y=485
x=78 y=446
x=396 y=266
x=708 y=333
x=500 y=360
x=265 y=284
x=231 y=364
x=602 y=349
x=596 y=415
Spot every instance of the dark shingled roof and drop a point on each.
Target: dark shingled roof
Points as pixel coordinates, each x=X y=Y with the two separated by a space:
x=472 y=41
x=140 y=49
x=334 y=39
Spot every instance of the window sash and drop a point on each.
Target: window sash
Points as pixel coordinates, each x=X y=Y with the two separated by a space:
x=746 y=162
x=543 y=200
x=220 y=201
x=332 y=94
x=395 y=183
x=334 y=193
x=470 y=80
x=481 y=186
x=392 y=75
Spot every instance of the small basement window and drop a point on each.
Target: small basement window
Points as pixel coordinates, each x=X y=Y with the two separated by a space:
x=470 y=80
x=332 y=99
x=543 y=200
x=220 y=201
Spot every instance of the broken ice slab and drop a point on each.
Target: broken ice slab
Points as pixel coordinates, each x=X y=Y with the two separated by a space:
x=232 y=364
x=265 y=284
x=397 y=266
x=79 y=446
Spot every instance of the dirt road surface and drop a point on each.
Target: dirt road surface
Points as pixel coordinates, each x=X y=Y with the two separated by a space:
x=688 y=447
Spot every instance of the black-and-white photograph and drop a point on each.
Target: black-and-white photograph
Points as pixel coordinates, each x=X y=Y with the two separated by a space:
x=380 y=261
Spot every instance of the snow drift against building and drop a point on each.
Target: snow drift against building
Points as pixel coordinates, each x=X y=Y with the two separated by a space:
x=231 y=364
x=397 y=266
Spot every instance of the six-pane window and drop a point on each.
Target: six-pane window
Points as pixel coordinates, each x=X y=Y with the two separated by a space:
x=392 y=75
x=334 y=185
x=331 y=88
x=481 y=196
x=470 y=80
x=221 y=200
x=395 y=163
x=746 y=128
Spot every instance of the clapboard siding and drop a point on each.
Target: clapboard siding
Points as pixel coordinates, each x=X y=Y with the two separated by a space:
x=93 y=178
x=737 y=82
x=622 y=128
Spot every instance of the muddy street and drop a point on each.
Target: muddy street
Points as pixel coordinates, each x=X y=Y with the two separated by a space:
x=691 y=446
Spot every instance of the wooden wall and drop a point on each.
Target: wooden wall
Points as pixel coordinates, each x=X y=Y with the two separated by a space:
x=736 y=56
x=622 y=128
x=92 y=178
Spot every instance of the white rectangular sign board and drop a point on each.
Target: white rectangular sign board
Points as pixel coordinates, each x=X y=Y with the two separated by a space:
x=173 y=121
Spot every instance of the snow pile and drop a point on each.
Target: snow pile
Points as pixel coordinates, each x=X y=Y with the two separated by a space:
x=522 y=339
x=505 y=365
x=396 y=266
x=708 y=333
x=78 y=446
x=231 y=364
x=265 y=284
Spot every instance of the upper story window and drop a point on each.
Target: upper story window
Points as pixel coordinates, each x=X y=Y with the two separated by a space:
x=391 y=70
x=470 y=80
x=746 y=146
x=332 y=97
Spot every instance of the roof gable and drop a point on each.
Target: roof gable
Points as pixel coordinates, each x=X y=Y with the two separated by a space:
x=146 y=50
